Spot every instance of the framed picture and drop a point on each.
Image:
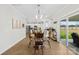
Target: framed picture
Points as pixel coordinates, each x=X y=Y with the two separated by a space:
x=13 y=23
x=17 y=24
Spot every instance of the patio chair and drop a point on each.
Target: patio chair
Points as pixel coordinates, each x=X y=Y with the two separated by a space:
x=75 y=39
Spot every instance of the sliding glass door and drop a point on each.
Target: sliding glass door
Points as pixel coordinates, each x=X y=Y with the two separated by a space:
x=74 y=33
x=69 y=33
x=63 y=31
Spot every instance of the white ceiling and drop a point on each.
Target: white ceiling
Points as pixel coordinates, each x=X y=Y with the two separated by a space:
x=49 y=10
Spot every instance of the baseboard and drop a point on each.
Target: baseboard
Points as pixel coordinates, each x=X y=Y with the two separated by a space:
x=12 y=45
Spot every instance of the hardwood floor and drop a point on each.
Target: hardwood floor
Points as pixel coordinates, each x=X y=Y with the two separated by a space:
x=21 y=48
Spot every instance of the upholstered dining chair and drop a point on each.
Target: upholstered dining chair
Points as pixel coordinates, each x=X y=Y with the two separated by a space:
x=38 y=42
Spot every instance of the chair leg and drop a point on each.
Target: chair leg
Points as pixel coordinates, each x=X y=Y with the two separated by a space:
x=36 y=49
x=49 y=43
x=42 y=49
x=30 y=43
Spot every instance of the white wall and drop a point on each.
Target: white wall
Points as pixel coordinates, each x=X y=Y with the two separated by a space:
x=57 y=27
x=9 y=36
x=58 y=31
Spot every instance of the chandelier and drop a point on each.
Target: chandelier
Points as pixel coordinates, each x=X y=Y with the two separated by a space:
x=38 y=15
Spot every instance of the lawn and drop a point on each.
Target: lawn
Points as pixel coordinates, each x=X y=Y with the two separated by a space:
x=63 y=35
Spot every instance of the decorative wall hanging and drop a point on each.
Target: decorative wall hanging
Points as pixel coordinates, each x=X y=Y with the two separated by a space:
x=17 y=24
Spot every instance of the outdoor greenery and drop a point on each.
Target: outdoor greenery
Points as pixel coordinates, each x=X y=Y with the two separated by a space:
x=63 y=35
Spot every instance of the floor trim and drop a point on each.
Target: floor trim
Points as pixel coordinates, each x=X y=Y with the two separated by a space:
x=12 y=45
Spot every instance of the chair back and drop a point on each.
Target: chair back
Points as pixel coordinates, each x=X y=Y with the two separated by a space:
x=39 y=35
x=75 y=37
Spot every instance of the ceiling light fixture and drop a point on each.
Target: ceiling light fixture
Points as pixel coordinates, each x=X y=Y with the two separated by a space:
x=38 y=16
